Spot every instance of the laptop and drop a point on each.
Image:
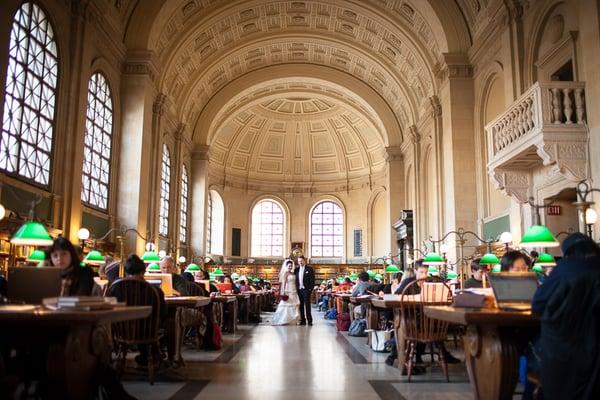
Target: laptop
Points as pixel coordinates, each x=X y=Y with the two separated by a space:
x=32 y=284
x=164 y=281
x=514 y=291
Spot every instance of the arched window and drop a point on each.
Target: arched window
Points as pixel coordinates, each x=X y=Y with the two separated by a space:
x=327 y=230
x=97 y=143
x=165 y=185
x=183 y=206
x=267 y=229
x=215 y=223
x=29 y=103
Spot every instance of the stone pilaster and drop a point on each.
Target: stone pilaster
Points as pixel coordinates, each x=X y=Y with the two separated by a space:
x=199 y=196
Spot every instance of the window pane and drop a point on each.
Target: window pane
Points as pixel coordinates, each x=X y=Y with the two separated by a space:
x=215 y=223
x=97 y=144
x=327 y=228
x=183 y=206
x=267 y=229
x=29 y=102
x=165 y=185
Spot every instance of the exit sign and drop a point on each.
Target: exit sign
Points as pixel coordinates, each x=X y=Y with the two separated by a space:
x=553 y=210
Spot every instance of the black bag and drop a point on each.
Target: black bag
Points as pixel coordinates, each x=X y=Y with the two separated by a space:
x=357 y=328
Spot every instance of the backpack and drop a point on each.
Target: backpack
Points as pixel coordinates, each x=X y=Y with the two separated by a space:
x=331 y=314
x=343 y=322
x=357 y=328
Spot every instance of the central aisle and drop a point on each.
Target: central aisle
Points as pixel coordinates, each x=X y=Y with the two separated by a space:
x=295 y=362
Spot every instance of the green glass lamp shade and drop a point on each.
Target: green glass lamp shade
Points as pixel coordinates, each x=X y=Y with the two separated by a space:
x=537 y=268
x=154 y=267
x=36 y=256
x=371 y=273
x=496 y=268
x=150 y=257
x=539 y=236
x=235 y=275
x=489 y=259
x=451 y=275
x=353 y=276
x=432 y=269
x=339 y=279
x=94 y=257
x=545 y=260
x=192 y=268
x=378 y=277
x=218 y=272
x=32 y=233
x=211 y=276
x=390 y=269
x=433 y=259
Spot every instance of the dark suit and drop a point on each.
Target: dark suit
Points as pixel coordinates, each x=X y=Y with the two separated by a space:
x=308 y=282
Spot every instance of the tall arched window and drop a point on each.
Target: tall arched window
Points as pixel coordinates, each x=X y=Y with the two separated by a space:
x=29 y=103
x=267 y=229
x=327 y=230
x=215 y=223
x=97 y=143
x=183 y=206
x=165 y=186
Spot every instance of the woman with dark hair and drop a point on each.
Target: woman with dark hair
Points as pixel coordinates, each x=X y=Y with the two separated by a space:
x=76 y=280
x=515 y=261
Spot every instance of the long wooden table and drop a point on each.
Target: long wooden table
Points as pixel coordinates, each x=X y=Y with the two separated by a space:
x=230 y=302
x=399 y=329
x=71 y=344
x=491 y=347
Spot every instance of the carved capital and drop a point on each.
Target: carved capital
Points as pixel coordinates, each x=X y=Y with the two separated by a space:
x=200 y=152
x=159 y=105
x=413 y=134
x=513 y=183
x=140 y=62
x=456 y=66
x=394 y=153
x=435 y=106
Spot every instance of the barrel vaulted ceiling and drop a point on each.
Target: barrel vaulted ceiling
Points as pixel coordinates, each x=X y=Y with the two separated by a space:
x=378 y=61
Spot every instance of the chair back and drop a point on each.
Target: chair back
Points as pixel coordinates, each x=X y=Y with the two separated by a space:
x=135 y=292
x=418 y=326
x=193 y=289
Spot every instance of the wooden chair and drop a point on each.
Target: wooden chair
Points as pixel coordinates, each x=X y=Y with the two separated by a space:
x=186 y=317
x=418 y=327
x=140 y=332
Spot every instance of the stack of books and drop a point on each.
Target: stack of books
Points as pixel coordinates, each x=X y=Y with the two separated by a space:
x=80 y=303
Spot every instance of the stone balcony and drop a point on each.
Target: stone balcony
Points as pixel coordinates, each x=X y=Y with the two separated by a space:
x=546 y=126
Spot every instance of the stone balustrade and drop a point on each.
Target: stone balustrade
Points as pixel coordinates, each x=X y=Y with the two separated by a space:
x=546 y=126
x=555 y=103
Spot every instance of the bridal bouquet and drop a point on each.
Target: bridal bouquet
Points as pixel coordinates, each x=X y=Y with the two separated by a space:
x=285 y=297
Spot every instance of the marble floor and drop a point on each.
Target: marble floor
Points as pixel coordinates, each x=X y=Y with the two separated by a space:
x=295 y=362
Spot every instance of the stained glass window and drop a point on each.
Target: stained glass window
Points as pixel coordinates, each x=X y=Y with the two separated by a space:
x=267 y=229
x=327 y=230
x=184 y=206
x=97 y=143
x=29 y=103
x=215 y=223
x=165 y=185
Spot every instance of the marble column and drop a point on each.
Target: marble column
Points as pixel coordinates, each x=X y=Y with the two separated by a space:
x=135 y=164
x=199 y=199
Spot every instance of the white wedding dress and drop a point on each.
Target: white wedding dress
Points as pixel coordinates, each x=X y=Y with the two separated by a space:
x=288 y=311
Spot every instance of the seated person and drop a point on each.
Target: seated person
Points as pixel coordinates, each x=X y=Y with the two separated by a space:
x=76 y=280
x=392 y=286
x=515 y=261
x=245 y=287
x=581 y=256
x=135 y=269
x=345 y=285
x=167 y=266
x=362 y=285
x=412 y=274
x=476 y=279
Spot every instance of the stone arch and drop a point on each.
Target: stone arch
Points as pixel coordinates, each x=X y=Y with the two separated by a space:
x=317 y=201
x=286 y=225
x=201 y=128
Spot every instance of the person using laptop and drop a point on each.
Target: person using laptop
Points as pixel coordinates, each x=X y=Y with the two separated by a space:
x=581 y=256
x=515 y=261
x=76 y=280
x=167 y=266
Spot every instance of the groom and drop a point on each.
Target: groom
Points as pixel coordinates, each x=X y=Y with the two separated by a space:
x=305 y=282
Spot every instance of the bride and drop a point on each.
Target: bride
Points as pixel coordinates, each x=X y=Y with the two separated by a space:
x=287 y=310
